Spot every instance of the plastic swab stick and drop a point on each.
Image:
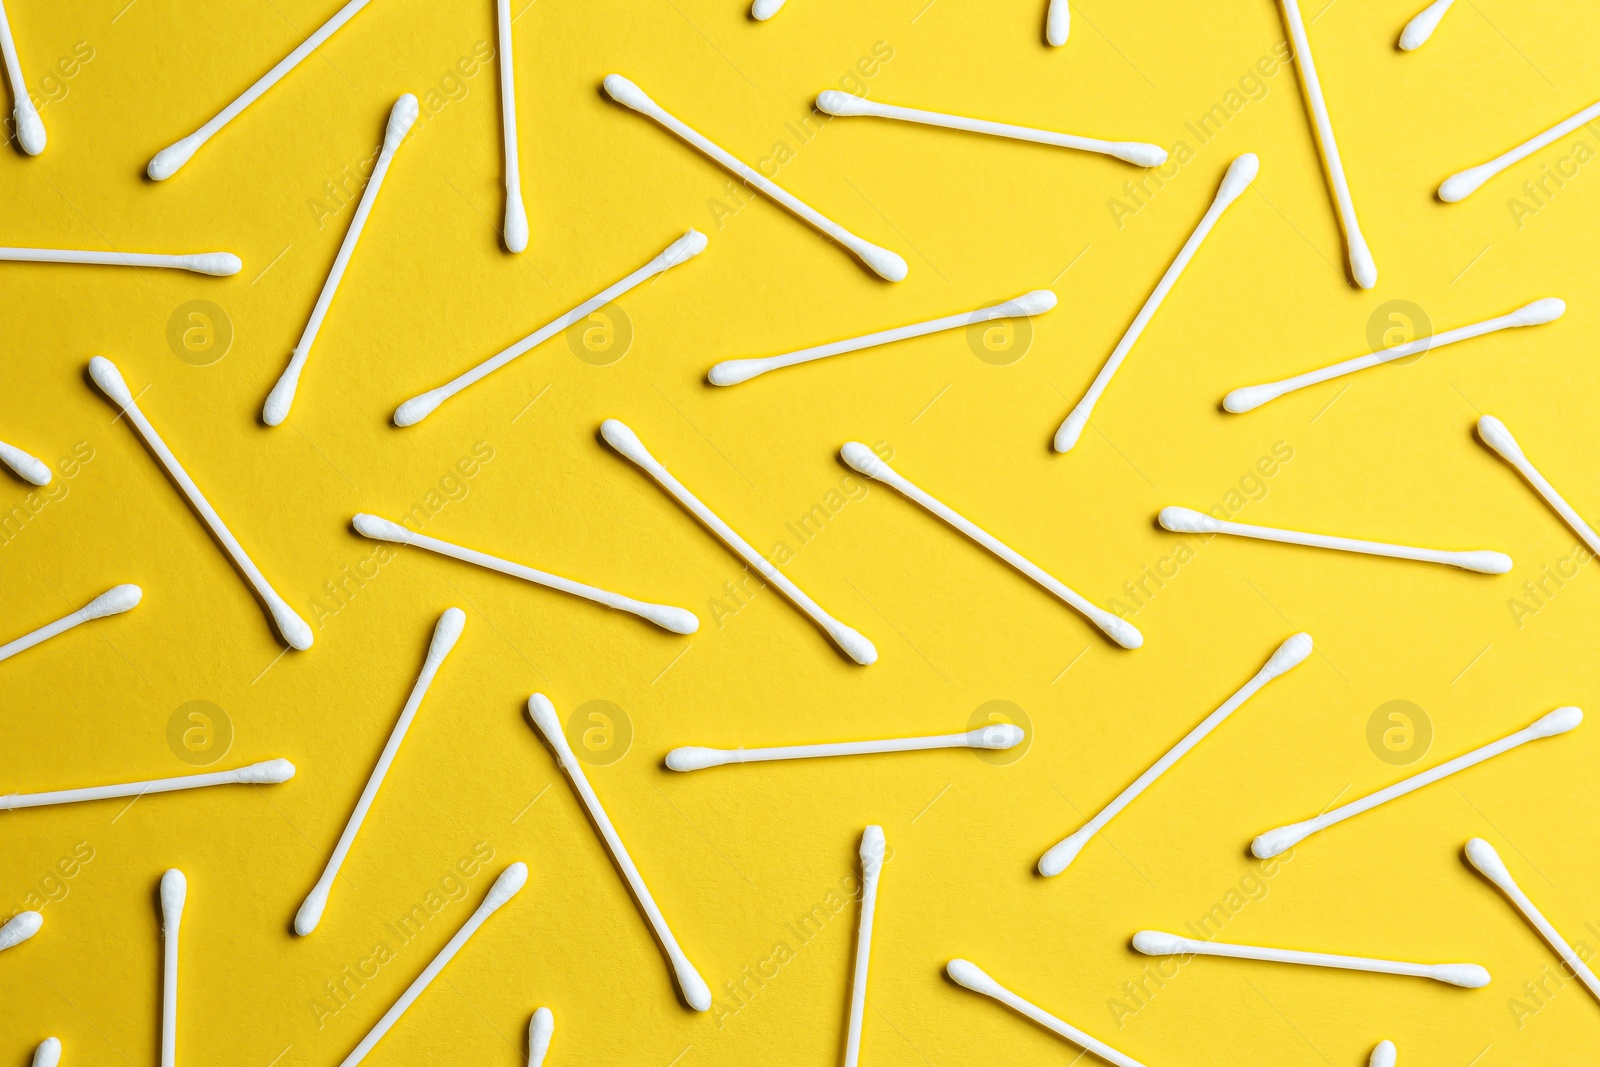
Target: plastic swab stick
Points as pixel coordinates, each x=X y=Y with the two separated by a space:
x=1482 y=855
x=693 y=987
x=1420 y=28
x=19 y=928
x=678 y=620
x=167 y=161
x=1535 y=314
x=967 y=974
x=28 y=468
x=1290 y=654
x=174 y=890
x=1156 y=943
x=734 y=371
x=1497 y=437
x=863 y=459
x=625 y=441
x=835 y=102
x=516 y=229
x=1241 y=172
x=48 y=1054
x=219 y=264
x=1462 y=185
x=268 y=773
x=1361 y=263
x=445 y=634
x=998 y=736
x=1274 y=842
x=113 y=601
x=1383 y=1055
x=511 y=880
x=872 y=849
x=883 y=262
x=1187 y=520
x=30 y=129
x=541 y=1028
x=401 y=116
x=290 y=625
x=1058 y=23
x=419 y=407
x=762 y=10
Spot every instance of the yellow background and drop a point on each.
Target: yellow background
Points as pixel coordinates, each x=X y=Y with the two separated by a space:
x=736 y=855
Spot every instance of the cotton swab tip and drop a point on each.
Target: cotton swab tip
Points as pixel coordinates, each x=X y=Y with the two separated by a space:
x=418 y=407
x=516 y=230
x=294 y=629
x=1484 y=562
x=113 y=601
x=678 y=620
x=969 y=975
x=692 y=758
x=109 y=379
x=1276 y=842
x=19 y=928
x=281 y=399
x=863 y=460
x=695 y=990
x=1187 y=520
x=1241 y=172
x=1139 y=153
x=174 y=890
x=218 y=264
x=835 y=102
x=543 y=714
x=999 y=736
x=735 y=371
x=1121 y=631
x=1497 y=437
x=762 y=10
x=401 y=117
x=310 y=913
x=618 y=435
x=1036 y=302
x=1061 y=855
x=380 y=529
x=1465 y=975
x=166 y=162
x=1482 y=855
x=1070 y=430
x=1290 y=654
x=30 y=129
x=1250 y=397
x=1361 y=262
x=510 y=882
x=33 y=470
x=884 y=263
x=541 y=1028
x=873 y=848
x=445 y=634
x=48 y=1054
x=1559 y=721
x=682 y=250
x=269 y=772
x=1458 y=187
x=1540 y=312
x=1384 y=1055
x=626 y=93
x=1157 y=943
x=855 y=644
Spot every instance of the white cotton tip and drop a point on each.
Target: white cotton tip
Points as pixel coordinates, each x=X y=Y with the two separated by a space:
x=695 y=990
x=113 y=601
x=1036 y=302
x=692 y=758
x=310 y=913
x=1000 y=735
x=1121 y=631
x=1384 y=1055
x=48 y=1054
x=292 y=627
x=624 y=440
x=1458 y=187
x=166 y=162
x=735 y=371
x=1187 y=520
x=1250 y=397
x=109 y=379
x=1156 y=943
x=678 y=620
x=380 y=529
x=863 y=460
x=1540 y=312
x=19 y=928
x=29 y=468
x=1276 y=842
x=508 y=885
x=1139 y=153
x=1290 y=655
x=174 y=891
x=1497 y=437
x=1361 y=262
x=30 y=130
x=856 y=646
x=835 y=102
x=1058 y=24
x=516 y=231
x=626 y=93
x=1484 y=562
x=1465 y=975
x=762 y=10
x=281 y=399
x=541 y=1028
x=1070 y=430
x=682 y=250
x=884 y=263
x=269 y=772
x=543 y=714
x=1061 y=855
x=401 y=116
x=1559 y=721
x=1422 y=25
x=873 y=847
x=1241 y=172
x=1482 y=855
x=219 y=264
x=419 y=407
x=969 y=975
x=445 y=634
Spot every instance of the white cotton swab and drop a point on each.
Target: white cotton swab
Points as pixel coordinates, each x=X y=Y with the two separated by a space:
x=835 y=102
x=1058 y=23
x=48 y=1054
x=167 y=161
x=1156 y=943
x=1537 y=313
x=290 y=625
x=1241 y=172
x=401 y=117
x=1275 y=842
x=694 y=758
x=872 y=851
x=30 y=129
x=862 y=459
x=678 y=620
x=1187 y=520
x=1383 y=1055
x=1460 y=186
x=883 y=262
x=626 y=442
x=682 y=250
x=1422 y=25
x=28 y=468
x=1289 y=655
x=966 y=974
x=19 y=928
x=269 y=773
x=694 y=989
x=510 y=882
x=762 y=10
x=217 y=264
x=113 y=601
x=516 y=229
x=541 y=1029
x=1482 y=855
x=1496 y=436
x=1361 y=263
x=734 y=371
x=445 y=634
x=174 y=891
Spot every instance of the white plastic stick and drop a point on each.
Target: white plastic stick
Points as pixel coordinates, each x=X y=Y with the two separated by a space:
x=445 y=634
x=218 y=264
x=1290 y=654
x=30 y=129
x=1187 y=520
x=694 y=758
x=1496 y=436
x=883 y=262
x=419 y=407
x=19 y=928
x=1482 y=855
x=167 y=161
x=872 y=850
x=625 y=441
x=1535 y=314
x=762 y=10
x=401 y=117
x=1422 y=25
x=268 y=773
x=174 y=890
x=864 y=460
x=694 y=989
x=28 y=468
x=1058 y=23
x=113 y=601
x=734 y=371
x=48 y=1054
x=541 y=1029
x=835 y=102
x=968 y=975
x=1464 y=184
x=1241 y=172
x=1383 y=1055
x=1156 y=943
x=1275 y=842
x=1361 y=263
x=511 y=880
x=516 y=229
x=678 y=620
x=290 y=625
